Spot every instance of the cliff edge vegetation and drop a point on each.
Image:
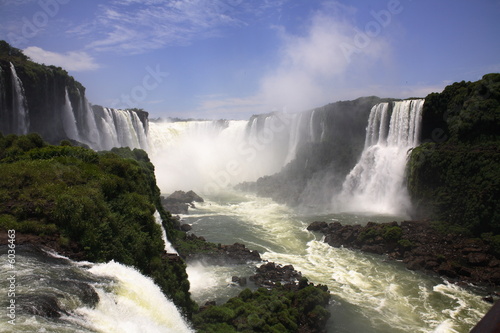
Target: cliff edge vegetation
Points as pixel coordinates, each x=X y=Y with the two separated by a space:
x=104 y=202
x=454 y=176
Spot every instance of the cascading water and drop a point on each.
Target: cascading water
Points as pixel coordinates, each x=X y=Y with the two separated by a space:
x=370 y=293
x=69 y=120
x=119 y=128
x=376 y=183
x=21 y=122
x=208 y=156
x=168 y=246
x=55 y=294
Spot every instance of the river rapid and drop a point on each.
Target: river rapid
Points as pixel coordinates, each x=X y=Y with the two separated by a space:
x=369 y=292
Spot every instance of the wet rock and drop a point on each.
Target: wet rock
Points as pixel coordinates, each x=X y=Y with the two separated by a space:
x=270 y=275
x=220 y=254
x=317 y=226
x=186 y=227
x=478 y=259
x=242 y=281
x=420 y=247
x=180 y=201
x=45 y=306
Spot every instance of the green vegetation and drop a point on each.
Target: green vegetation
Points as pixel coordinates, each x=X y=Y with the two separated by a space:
x=103 y=201
x=276 y=310
x=455 y=178
x=389 y=233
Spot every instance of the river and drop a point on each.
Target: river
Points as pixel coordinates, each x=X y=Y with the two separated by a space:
x=369 y=292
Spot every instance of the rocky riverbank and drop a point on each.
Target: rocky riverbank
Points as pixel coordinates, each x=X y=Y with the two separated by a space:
x=420 y=247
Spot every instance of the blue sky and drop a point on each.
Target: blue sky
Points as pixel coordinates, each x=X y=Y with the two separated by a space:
x=234 y=58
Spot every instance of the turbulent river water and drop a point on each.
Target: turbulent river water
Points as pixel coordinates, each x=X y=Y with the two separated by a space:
x=370 y=293
x=54 y=294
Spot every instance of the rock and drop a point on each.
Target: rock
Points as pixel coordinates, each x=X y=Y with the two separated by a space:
x=269 y=275
x=186 y=227
x=421 y=247
x=317 y=226
x=180 y=201
x=478 y=259
x=377 y=249
x=223 y=254
x=242 y=281
x=45 y=306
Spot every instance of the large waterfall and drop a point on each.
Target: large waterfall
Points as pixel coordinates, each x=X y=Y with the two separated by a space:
x=211 y=155
x=55 y=294
x=320 y=146
x=57 y=109
x=376 y=183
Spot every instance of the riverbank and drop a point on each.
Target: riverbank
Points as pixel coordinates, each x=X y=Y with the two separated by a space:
x=420 y=246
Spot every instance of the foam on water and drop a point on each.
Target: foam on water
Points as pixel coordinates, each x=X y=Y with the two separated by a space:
x=387 y=296
x=134 y=304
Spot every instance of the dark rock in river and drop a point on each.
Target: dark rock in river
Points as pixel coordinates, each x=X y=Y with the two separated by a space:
x=186 y=227
x=269 y=275
x=180 y=201
x=218 y=254
x=45 y=306
x=420 y=247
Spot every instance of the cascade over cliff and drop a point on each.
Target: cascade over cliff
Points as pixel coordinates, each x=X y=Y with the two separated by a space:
x=48 y=101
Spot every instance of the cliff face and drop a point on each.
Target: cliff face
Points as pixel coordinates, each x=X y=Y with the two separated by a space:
x=48 y=101
x=455 y=175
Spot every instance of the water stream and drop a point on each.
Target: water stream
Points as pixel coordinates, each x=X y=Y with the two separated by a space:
x=370 y=293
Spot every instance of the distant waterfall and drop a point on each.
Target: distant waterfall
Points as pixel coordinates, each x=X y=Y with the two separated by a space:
x=69 y=121
x=375 y=184
x=120 y=128
x=211 y=155
x=20 y=107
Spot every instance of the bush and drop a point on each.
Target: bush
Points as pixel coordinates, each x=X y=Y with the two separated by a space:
x=102 y=201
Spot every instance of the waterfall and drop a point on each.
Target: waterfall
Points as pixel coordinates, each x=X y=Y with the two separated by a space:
x=21 y=122
x=168 y=246
x=207 y=156
x=68 y=117
x=135 y=305
x=376 y=183
x=56 y=294
x=120 y=128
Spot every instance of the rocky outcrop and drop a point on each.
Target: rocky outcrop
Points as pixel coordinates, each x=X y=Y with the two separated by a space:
x=180 y=201
x=420 y=247
x=270 y=275
x=194 y=248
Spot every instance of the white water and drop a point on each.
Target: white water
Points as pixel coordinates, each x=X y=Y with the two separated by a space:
x=135 y=304
x=207 y=156
x=370 y=294
x=68 y=118
x=20 y=112
x=376 y=183
x=168 y=246
x=129 y=302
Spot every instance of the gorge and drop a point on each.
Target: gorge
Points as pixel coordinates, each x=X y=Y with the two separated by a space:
x=264 y=181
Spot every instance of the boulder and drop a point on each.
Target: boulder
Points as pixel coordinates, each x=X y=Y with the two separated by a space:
x=180 y=201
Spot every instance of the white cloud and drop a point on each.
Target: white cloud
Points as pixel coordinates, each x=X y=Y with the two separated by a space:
x=314 y=66
x=76 y=61
x=137 y=26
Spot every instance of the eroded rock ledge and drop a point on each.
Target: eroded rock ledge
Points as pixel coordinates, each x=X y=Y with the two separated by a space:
x=420 y=247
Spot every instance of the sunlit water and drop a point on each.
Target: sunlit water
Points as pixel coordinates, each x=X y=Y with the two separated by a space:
x=370 y=293
x=128 y=302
